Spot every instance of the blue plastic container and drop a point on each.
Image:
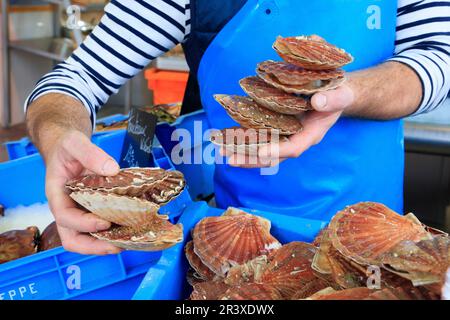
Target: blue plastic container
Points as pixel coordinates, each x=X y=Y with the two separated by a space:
x=167 y=280
x=24 y=147
x=54 y=274
x=198 y=176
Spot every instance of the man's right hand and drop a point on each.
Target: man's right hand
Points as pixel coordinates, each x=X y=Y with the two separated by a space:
x=74 y=155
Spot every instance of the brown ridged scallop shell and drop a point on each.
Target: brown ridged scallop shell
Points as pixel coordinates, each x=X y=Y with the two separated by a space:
x=311 y=52
x=289 y=268
x=347 y=294
x=121 y=210
x=318 y=239
x=310 y=288
x=251 y=291
x=243 y=140
x=17 y=244
x=321 y=261
x=292 y=75
x=237 y=136
x=430 y=230
x=152 y=184
x=403 y=293
x=250 y=271
x=307 y=88
x=210 y=290
x=425 y=262
x=50 y=238
x=274 y=99
x=112 y=200
x=367 y=230
x=202 y=271
x=332 y=266
x=250 y=115
x=232 y=239
x=345 y=272
x=158 y=235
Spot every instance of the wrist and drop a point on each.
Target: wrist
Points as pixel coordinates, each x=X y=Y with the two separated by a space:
x=53 y=117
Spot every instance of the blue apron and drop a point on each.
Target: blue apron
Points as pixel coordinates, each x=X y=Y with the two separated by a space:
x=358 y=160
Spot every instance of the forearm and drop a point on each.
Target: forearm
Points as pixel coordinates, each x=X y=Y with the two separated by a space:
x=389 y=91
x=51 y=116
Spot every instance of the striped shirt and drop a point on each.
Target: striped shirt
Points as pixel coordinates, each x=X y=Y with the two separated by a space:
x=133 y=33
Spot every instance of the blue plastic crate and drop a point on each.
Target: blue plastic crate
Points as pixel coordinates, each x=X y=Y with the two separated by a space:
x=198 y=176
x=168 y=282
x=24 y=147
x=52 y=274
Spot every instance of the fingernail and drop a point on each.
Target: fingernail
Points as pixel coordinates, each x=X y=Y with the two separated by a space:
x=320 y=101
x=112 y=251
x=102 y=225
x=110 y=167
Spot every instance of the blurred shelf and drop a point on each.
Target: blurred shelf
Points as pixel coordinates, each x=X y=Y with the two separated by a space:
x=57 y=49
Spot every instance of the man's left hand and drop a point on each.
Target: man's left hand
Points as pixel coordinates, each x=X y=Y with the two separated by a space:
x=328 y=107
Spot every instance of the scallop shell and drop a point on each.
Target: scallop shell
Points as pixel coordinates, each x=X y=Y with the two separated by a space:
x=307 y=88
x=321 y=261
x=347 y=294
x=365 y=231
x=311 y=52
x=121 y=210
x=292 y=75
x=251 y=291
x=232 y=239
x=310 y=288
x=346 y=273
x=158 y=235
x=274 y=99
x=244 y=141
x=201 y=271
x=318 y=239
x=289 y=268
x=50 y=238
x=111 y=199
x=130 y=181
x=247 y=272
x=334 y=267
x=250 y=115
x=210 y=290
x=17 y=244
x=425 y=262
x=403 y=293
x=151 y=184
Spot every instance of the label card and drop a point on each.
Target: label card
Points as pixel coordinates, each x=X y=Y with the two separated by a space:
x=137 y=148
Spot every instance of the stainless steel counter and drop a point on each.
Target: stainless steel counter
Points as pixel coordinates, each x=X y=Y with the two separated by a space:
x=427 y=138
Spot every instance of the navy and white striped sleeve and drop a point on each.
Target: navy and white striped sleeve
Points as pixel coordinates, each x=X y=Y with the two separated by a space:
x=423 y=43
x=129 y=36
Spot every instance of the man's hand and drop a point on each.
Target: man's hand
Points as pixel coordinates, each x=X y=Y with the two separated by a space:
x=389 y=91
x=72 y=156
x=60 y=127
x=328 y=107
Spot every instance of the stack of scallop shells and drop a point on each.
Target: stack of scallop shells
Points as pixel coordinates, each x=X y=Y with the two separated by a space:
x=281 y=92
x=234 y=257
x=411 y=257
x=130 y=201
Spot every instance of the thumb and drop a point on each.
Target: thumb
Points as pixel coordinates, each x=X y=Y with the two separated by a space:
x=89 y=155
x=333 y=100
